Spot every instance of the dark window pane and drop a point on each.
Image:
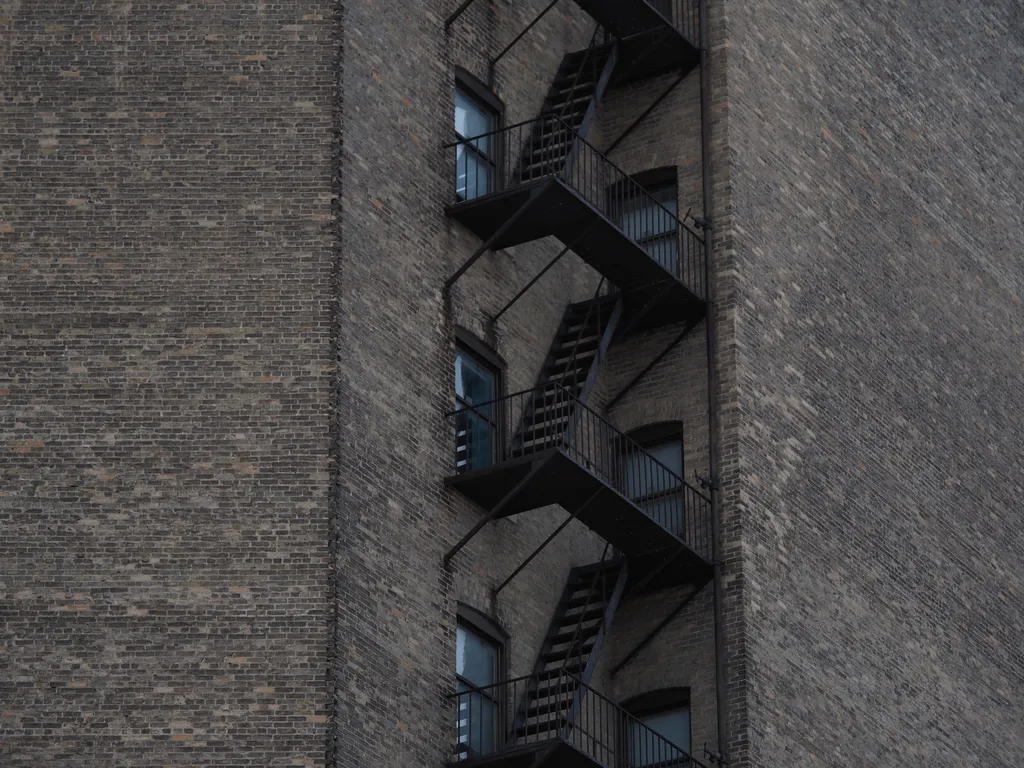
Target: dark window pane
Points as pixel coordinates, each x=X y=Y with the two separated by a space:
x=472 y=120
x=651 y=221
x=476 y=659
x=473 y=175
x=654 y=482
x=658 y=467
x=662 y=737
x=475 y=383
x=474 y=161
x=476 y=724
x=476 y=664
x=475 y=426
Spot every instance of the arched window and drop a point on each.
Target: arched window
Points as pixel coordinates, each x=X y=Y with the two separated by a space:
x=658 y=727
x=654 y=474
x=477 y=120
x=479 y=674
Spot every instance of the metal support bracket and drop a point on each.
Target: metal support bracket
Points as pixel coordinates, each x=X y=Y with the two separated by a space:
x=494 y=62
x=644 y=114
x=548 y=540
x=491 y=240
x=706 y=482
x=529 y=285
x=539 y=275
x=649 y=367
x=495 y=510
x=458 y=12
x=653 y=633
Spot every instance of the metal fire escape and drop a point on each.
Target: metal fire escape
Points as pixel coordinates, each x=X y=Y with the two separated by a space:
x=545 y=445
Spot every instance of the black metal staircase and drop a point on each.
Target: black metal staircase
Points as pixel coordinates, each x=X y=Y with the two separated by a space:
x=579 y=84
x=545 y=446
x=572 y=364
x=571 y=101
x=574 y=458
x=548 y=180
x=552 y=718
x=654 y=36
x=570 y=651
x=583 y=337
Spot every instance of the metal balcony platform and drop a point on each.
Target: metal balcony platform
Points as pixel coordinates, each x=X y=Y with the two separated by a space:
x=557 y=210
x=652 y=53
x=655 y=36
x=561 y=480
x=629 y=17
x=553 y=753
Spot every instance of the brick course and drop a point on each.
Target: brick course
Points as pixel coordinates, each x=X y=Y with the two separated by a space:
x=165 y=364
x=870 y=217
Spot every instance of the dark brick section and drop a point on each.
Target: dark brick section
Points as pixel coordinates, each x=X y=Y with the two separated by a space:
x=871 y=212
x=165 y=368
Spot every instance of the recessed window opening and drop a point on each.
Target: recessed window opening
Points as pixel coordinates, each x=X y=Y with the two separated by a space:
x=479 y=663
x=654 y=473
x=659 y=728
x=477 y=422
x=476 y=156
x=646 y=208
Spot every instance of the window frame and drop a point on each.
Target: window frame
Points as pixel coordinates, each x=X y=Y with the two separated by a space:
x=646 y=437
x=652 y=181
x=484 y=98
x=469 y=345
x=651 y=435
x=667 y=234
x=484 y=627
x=652 y=703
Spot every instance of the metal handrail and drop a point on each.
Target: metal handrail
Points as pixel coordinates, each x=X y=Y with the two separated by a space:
x=643 y=191
x=529 y=153
x=620 y=436
x=538 y=422
x=462 y=140
x=576 y=714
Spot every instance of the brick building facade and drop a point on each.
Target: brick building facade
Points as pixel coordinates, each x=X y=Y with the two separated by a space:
x=233 y=483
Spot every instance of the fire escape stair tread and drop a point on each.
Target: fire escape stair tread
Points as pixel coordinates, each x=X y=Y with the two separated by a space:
x=577 y=602
x=566 y=653
x=554 y=674
x=570 y=634
x=557 y=705
x=592 y=613
x=550 y=703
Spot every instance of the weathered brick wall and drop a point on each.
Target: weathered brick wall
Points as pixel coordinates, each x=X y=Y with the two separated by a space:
x=186 y=485
x=876 y=194
x=166 y=256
